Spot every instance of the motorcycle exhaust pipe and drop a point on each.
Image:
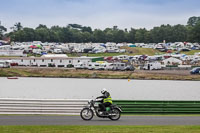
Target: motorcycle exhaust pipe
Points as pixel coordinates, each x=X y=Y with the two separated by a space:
x=112 y=114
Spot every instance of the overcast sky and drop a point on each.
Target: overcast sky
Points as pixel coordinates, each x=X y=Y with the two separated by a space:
x=98 y=13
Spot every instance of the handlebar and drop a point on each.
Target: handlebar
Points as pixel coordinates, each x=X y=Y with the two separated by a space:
x=94 y=100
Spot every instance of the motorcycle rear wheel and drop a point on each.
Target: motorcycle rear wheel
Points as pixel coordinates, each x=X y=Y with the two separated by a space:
x=86 y=114
x=117 y=116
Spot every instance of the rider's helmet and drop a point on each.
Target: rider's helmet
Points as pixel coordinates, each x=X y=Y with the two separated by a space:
x=103 y=91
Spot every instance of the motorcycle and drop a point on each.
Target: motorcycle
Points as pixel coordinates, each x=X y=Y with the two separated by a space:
x=113 y=112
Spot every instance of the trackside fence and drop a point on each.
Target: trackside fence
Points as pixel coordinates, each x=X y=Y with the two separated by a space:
x=42 y=106
x=74 y=106
x=159 y=107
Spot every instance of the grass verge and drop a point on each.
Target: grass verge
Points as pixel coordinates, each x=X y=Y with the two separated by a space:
x=72 y=73
x=99 y=129
x=130 y=52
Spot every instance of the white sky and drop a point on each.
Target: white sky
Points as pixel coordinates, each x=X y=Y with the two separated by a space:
x=98 y=13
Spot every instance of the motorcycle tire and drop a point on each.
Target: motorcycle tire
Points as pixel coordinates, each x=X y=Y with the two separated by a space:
x=118 y=114
x=86 y=114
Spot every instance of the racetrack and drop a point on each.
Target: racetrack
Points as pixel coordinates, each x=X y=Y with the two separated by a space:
x=76 y=120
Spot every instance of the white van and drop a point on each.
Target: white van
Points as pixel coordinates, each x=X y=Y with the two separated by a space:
x=80 y=65
x=96 y=66
x=4 y=64
x=109 y=66
x=119 y=66
x=57 y=51
x=90 y=66
x=152 y=66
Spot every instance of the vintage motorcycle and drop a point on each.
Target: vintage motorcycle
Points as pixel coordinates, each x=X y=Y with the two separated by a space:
x=113 y=112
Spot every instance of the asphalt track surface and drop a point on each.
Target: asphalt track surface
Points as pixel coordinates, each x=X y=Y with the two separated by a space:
x=76 y=120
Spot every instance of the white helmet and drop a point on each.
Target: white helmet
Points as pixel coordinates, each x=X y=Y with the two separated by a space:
x=103 y=91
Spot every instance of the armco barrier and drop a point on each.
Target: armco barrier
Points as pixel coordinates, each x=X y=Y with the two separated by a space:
x=73 y=106
x=159 y=107
x=41 y=106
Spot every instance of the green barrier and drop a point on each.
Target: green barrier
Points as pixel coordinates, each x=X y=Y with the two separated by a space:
x=158 y=107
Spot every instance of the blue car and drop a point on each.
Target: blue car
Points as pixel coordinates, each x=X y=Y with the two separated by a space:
x=195 y=70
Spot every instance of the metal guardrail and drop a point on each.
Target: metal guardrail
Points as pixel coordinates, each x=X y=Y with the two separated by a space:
x=159 y=107
x=74 y=106
x=42 y=106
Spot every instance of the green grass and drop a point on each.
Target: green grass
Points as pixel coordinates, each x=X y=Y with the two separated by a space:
x=2 y=56
x=99 y=129
x=52 y=72
x=7 y=72
x=130 y=51
x=36 y=55
x=192 y=52
x=142 y=51
x=96 y=55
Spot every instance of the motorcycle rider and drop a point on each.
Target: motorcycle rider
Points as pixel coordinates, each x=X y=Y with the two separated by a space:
x=106 y=100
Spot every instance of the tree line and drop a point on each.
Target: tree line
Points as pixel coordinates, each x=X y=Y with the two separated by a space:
x=77 y=33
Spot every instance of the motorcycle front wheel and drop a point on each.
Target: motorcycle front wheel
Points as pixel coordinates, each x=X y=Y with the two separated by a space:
x=87 y=114
x=116 y=116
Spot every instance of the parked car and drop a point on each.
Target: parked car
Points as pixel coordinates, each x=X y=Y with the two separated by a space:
x=195 y=70
x=130 y=68
x=13 y=64
x=57 y=51
x=122 y=67
x=185 y=49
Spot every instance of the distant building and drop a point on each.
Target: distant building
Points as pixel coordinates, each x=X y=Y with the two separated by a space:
x=12 y=53
x=172 y=61
x=55 y=55
x=50 y=61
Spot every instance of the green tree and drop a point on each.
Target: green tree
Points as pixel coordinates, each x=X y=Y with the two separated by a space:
x=66 y=35
x=42 y=33
x=2 y=30
x=86 y=29
x=196 y=32
x=119 y=36
x=76 y=36
x=109 y=37
x=148 y=37
x=164 y=32
x=86 y=37
x=75 y=26
x=56 y=34
x=179 y=33
x=17 y=26
x=131 y=35
x=192 y=21
x=99 y=36
x=18 y=36
x=41 y=26
x=193 y=29
x=28 y=34
x=140 y=35
x=78 y=33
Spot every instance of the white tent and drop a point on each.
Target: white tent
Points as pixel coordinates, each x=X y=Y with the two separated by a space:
x=55 y=55
x=172 y=61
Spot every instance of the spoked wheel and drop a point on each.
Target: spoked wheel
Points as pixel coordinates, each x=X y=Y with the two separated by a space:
x=86 y=114
x=116 y=116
